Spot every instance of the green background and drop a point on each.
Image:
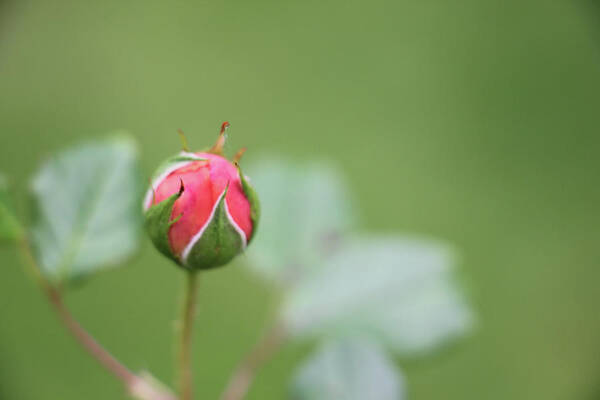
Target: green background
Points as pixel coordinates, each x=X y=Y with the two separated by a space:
x=472 y=121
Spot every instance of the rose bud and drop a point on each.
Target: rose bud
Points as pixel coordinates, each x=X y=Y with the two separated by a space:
x=200 y=209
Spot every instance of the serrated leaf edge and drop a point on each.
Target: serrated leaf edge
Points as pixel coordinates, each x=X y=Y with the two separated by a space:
x=119 y=141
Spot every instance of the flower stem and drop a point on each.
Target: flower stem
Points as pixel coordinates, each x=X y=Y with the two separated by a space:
x=187 y=322
x=135 y=385
x=88 y=342
x=244 y=374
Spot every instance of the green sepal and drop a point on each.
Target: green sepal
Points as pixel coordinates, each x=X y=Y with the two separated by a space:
x=158 y=221
x=178 y=158
x=252 y=199
x=10 y=228
x=220 y=242
x=183 y=157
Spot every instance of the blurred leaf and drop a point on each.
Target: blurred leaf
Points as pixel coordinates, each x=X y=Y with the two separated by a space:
x=304 y=209
x=10 y=229
x=348 y=370
x=397 y=290
x=87 y=204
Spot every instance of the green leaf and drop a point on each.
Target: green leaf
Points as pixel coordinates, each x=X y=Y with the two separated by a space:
x=399 y=291
x=304 y=209
x=10 y=229
x=87 y=208
x=348 y=370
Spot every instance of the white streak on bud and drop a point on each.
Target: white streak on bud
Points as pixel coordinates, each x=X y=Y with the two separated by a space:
x=156 y=182
x=188 y=249
x=236 y=227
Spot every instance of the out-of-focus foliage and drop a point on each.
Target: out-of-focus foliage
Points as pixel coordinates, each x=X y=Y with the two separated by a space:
x=399 y=292
x=394 y=289
x=349 y=369
x=87 y=208
x=305 y=208
x=10 y=229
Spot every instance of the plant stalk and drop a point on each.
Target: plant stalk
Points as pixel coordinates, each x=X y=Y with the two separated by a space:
x=187 y=323
x=88 y=342
x=135 y=385
x=263 y=351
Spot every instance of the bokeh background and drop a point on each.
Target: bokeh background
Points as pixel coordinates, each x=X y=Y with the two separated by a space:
x=474 y=121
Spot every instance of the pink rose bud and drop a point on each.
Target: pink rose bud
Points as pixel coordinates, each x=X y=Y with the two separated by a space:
x=200 y=210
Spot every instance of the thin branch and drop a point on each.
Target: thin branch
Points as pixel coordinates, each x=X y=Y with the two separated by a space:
x=135 y=385
x=263 y=351
x=185 y=349
x=88 y=342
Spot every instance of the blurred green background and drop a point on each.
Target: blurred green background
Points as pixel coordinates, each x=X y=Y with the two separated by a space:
x=473 y=121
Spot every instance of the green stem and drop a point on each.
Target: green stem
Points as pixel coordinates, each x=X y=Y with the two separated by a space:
x=135 y=385
x=187 y=322
x=241 y=379
x=107 y=360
